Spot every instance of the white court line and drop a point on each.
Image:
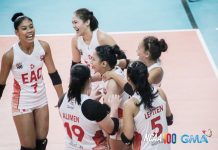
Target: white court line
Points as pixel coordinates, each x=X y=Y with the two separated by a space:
x=126 y=32
x=133 y=32
x=206 y=50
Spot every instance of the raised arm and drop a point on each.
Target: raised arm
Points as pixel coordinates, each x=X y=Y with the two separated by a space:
x=56 y=80
x=6 y=64
x=119 y=80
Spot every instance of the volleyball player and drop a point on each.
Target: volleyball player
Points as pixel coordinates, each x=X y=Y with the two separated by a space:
x=87 y=38
x=29 y=101
x=147 y=113
x=105 y=59
x=84 y=118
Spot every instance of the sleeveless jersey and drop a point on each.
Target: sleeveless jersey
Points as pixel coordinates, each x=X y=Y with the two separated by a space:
x=155 y=65
x=86 y=51
x=81 y=133
x=29 y=88
x=149 y=124
x=124 y=96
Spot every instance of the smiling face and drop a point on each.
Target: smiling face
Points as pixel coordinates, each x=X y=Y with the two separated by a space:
x=98 y=65
x=142 y=54
x=79 y=25
x=96 y=62
x=26 y=31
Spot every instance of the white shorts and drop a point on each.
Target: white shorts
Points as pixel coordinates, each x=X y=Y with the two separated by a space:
x=16 y=111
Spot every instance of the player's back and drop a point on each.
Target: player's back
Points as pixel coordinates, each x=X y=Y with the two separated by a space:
x=150 y=125
x=81 y=133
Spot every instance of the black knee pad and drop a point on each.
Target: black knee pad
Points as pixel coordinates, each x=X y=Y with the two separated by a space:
x=41 y=144
x=25 y=148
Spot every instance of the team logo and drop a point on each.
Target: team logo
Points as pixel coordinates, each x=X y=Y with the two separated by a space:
x=32 y=66
x=42 y=57
x=19 y=65
x=71 y=104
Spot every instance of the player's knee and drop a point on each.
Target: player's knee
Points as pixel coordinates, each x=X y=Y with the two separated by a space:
x=41 y=144
x=26 y=148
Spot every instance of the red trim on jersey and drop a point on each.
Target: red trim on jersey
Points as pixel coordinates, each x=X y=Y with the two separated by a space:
x=99 y=138
x=137 y=141
x=120 y=113
x=16 y=94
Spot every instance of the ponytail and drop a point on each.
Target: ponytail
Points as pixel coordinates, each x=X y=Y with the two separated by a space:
x=74 y=90
x=79 y=76
x=146 y=93
x=119 y=53
x=163 y=45
x=84 y=14
x=110 y=54
x=93 y=22
x=154 y=46
x=138 y=74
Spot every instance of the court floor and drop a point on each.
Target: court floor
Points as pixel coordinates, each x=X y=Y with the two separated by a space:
x=190 y=83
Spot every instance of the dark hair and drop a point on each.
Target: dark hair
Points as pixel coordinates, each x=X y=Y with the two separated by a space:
x=110 y=54
x=18 y=18
x=154 y=46
x=84 y=14
x=79 y=75
x=138 y=74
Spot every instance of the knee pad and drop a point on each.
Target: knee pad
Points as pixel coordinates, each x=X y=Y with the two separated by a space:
x=41 y=144
x=25 y=148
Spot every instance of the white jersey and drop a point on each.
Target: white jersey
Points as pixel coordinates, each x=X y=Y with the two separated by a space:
x=87 y=51
x=124 y=96
x=149 y=123
x=155 y=65
x=81 y=133
x=29 y=88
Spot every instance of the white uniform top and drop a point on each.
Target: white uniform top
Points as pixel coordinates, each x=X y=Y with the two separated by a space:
x=155 y=65
x=87 y=51
x=124 y=96
x=149 y=122
x=81 y=133
x=29 y=88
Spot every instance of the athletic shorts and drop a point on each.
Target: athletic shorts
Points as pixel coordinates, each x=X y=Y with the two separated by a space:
x=16 y=111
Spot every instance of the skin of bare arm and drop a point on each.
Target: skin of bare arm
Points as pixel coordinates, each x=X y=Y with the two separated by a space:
x=6 y=64
x=164 y=97
x=48 y=60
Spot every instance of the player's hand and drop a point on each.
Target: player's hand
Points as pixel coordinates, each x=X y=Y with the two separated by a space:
x=113 y=101
x=96 y=93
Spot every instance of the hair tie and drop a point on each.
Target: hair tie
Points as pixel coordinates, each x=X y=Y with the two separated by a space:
x=19 y=17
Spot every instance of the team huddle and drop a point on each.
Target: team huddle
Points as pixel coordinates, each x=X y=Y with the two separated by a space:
x=104 y=107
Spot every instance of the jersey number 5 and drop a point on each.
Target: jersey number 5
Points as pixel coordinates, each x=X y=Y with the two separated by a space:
x=74 y=130
x=155 y=124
